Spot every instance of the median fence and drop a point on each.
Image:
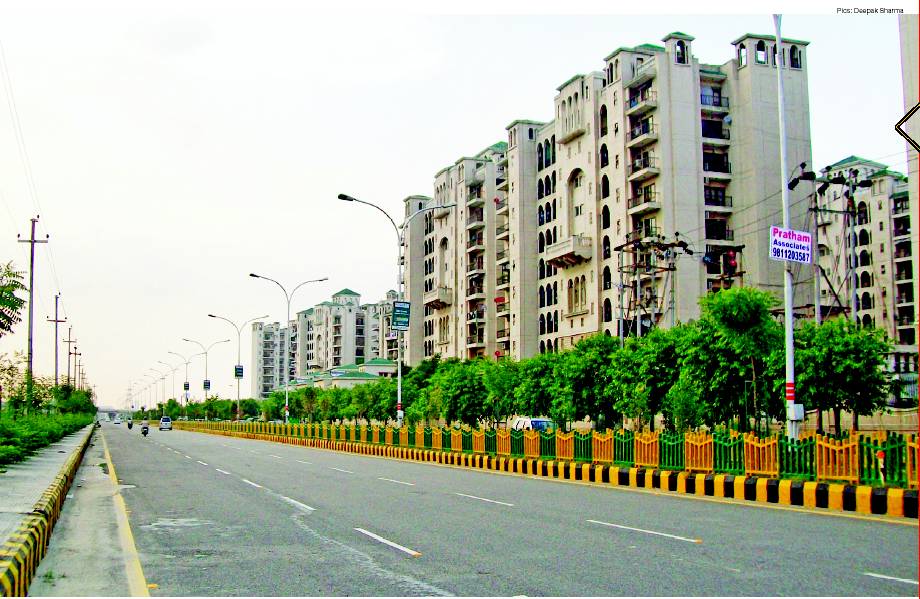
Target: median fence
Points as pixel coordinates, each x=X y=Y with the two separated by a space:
x=882 y=466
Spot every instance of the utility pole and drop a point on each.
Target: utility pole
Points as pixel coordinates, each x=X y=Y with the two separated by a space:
x=31 y=241
x=817 y=255
x=851 y=240
x=56 y=321
x=69 y=341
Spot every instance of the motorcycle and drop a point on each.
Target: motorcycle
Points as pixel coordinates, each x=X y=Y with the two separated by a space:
x=144 y=430
x=130 y=425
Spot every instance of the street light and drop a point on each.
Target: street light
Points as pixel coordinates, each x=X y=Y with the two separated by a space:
x=239 y=367
x=400 y=239
x=205 y=352
x=172 y=371
x=163 y=378
x=185 y=384
x=287 y=323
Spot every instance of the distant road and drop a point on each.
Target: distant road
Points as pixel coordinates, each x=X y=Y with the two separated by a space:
x=214 y=515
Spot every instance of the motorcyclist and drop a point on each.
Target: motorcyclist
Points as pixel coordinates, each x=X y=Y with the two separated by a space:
x=130 y=423
x=145 y=426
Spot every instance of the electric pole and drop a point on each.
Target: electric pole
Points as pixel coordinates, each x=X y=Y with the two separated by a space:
x=69 y=341
x=31 y=241
x=56 y=321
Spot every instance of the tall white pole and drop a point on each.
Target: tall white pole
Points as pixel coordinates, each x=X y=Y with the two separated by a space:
x=791 y=425
x=399 y=333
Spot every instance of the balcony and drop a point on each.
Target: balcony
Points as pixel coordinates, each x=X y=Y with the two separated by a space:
x=574 y=133
x=900 y=232
x=900 y=208
x=501 y=183
x=903 y=300
x=476 y=316
x=502 y=307
x=501 y=231
x=642 y=233
x=642 y=103
x=714 y=136
x=642 y=135
x=475 y=243
x=643 y=72
x=904 y=275
x=902 y=255
x=501 y=206
x=713 y=103
x=906 y=321
x=503 y=280
x=646 y=202
x=474 y=200
x=502 y=256
x=569 y=252
x=643 y=168
x=717 y=202
x=717 y=230
x=477 y=267
x=475 y=341
x=475 y=292
x=575 y=312
x=502 y=333
x=475 y=220
x=439 y=297
x=716 y=168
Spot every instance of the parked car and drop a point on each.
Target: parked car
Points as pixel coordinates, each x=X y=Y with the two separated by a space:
x=537 y=424
x=165 y=423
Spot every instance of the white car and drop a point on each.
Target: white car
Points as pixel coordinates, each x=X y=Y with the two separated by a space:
x=165 y=423
x=117 y=420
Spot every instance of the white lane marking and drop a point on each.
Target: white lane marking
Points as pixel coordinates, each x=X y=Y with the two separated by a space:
x=176 y=452
x=200 y=462
x=255 y=452
x=340 y=470
x=249 y=482
x=484 y=499
x=650 y=532
x=189 y=457
x=399 y=482
x=308 y=463
x=222 y=471
x=296 y=503
x=904 y=580
x=276 y=456
x=390 y=543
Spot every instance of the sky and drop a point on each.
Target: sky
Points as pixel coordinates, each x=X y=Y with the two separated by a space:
x=175 y=149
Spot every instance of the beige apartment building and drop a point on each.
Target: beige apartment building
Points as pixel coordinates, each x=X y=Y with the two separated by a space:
x=601 y=218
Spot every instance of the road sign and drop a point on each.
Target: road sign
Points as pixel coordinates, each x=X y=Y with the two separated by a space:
x=400 y=320
x=789 y=245
x=185 y=386
x=238 y=371
x=207 y=385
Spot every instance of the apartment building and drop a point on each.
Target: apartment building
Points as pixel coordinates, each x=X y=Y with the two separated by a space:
x=380 y=338
x=267 y=353
x=618 y=214
x=869 y=262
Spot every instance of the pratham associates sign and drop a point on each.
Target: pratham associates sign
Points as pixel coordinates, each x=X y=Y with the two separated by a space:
x=789 y=245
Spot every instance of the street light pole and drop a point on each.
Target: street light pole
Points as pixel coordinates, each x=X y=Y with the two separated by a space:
x=205 y=352
x=187 y=361
x=239 y=330
x=287 y=349
x=400 y=239
x=172 y=370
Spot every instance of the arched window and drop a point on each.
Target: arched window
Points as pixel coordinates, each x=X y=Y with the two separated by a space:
x=773 y=58
x=555 y=321
x=555 y=293
x=548 y=291
x=609 y=73
x=605 y=159
x=552 y=145
x=542 y=348
x=539 y=157
x=547 y=213
x=606 y=279
x=866 y=321
x=864 y=238
x=540 y=188
x=554 y=234
x=546 y=185
x=742 y=55
x=540 y=242
x=606 y=247
x=608 y=311
x=795 y=57
x=605 y=217
x=603 y=120
x=542 y=298
x=866 y=301
x=553 y=181
x=681 y=57
x=864 y=258
x=862 y=214
x=540 y=215
x=542 y=269
x=865 y=280
x=547 y=153
x=760 y=53
x=554 y=209
x=584 y=292
x=571 y=297
x=605 y=187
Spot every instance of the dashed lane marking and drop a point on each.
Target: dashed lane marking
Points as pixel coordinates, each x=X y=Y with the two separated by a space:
x=340 y=470
x=277 y=457
x=390 y=543
x=650 y=532
x=308 y=463
x=895 y=578
x=249 y=482
x=222 y=471
x=484 y=499
x=296 y=503
x=399 y=482
x=200 y=462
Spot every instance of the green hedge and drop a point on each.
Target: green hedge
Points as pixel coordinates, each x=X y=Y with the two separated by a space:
x=23 y=436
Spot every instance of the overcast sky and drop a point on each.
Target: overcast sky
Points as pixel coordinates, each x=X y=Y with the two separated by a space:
x=175 y=150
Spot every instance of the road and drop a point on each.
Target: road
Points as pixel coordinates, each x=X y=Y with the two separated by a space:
x=214 y=515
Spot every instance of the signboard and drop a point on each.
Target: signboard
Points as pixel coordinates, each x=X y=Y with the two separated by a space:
x=789 y=245
x=207 y=385
x=400 y=320
x=238 y=372
x=185 y=386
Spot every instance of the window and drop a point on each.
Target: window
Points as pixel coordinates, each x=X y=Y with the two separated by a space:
x=606 y=278
x=616 y=129
x=542 y=298
x=539 y=157
x=760 y=53
x=540 y=188
x=542 y=269
x=795 y=57
x=616 y=161
x=608 y=311
x=530 y=133
x=681 y=56
x=547 y=153
x=605 y=187
x=605 y=158
x=742 y=55
x=578 y=210
x=603 y=120
x=606 y=247
x=605 y=218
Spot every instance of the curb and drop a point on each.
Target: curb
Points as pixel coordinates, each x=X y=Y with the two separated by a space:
x=860 y=499
x=25 y=548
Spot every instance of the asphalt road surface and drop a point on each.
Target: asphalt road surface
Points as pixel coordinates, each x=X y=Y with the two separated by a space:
x=214 y=515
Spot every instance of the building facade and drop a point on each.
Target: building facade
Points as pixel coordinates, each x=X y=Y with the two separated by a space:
x=656 y=181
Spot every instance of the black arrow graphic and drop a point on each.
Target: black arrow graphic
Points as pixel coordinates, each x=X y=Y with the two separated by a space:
x=903 y=133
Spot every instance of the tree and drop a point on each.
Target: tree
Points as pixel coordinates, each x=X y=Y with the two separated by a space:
x=10 y=303
x=534 y=394
x=581 y=378
x=500 y=379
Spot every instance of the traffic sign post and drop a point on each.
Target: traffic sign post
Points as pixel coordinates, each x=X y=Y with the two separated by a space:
x=400 y=320
x=185 y=386
x=207 y=385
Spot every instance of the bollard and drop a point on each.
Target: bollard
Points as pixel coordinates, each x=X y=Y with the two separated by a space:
x=880 y=456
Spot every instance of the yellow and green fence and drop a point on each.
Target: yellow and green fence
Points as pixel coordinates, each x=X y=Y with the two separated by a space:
x=876 y=459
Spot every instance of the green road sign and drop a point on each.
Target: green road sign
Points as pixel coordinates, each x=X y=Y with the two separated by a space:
x=185 y=386
x=400 y=320
x=238 y=371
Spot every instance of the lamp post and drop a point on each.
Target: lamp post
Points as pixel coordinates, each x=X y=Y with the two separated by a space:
x=400 y=240
x=162 y=378
x=185 y=384
x=287 y=322
x=172 y=371
x=239 y=367
x=205 y=350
